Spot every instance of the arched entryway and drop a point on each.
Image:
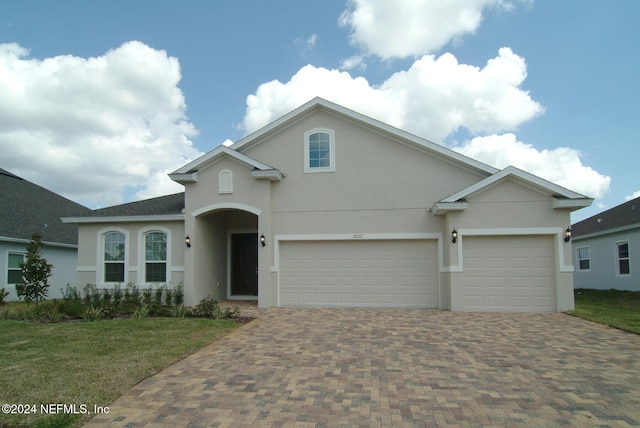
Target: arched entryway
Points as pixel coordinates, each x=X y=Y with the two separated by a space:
x=226 y=259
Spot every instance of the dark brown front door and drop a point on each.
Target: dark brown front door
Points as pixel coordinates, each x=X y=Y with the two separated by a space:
x=244 y=264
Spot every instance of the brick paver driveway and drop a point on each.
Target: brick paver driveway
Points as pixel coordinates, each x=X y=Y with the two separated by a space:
x=367 y=367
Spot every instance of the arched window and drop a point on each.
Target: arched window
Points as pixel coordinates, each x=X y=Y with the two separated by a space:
x=114 y=256
x=155 y=256
x=319 y=151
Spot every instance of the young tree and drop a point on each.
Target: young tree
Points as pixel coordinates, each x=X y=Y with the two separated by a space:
x=35 y=273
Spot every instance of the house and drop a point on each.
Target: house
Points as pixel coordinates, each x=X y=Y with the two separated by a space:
x=605 y=249
x=327 y=207
x=28 y=208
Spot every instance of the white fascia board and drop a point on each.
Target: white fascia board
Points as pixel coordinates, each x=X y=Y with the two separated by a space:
x=270 y=174
x=184 y=178
x=215 y=153
x=531 y=179
x=46 y=243
x=572 y=204
x=374 y=123
x=124 y=219
x=441 y=208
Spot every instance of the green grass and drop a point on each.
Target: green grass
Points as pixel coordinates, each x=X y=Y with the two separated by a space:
x=619 y=309
x=90 y=363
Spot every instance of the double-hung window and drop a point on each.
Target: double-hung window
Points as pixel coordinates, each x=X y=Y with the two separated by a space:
x=584 y=260
x=622 y=258
x=319 y=151
x=14 y=271
x=114 y=256
x=155 y=256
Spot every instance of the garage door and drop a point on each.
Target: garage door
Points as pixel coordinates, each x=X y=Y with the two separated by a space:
x=386 y=273
x=510 y=273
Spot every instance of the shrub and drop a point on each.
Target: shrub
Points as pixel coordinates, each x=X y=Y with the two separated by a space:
x=168 y=297
x=93 y=314
x=117 y=296
x=158 y=296
x=73 y=309
x=34 y=285
x=132 y=295
x=70 y=293
x=209 y=308
x=106 y=297
x=141 y=311
x=179 y=311
x=146 y=296
x=3 y=295
x=178 y=296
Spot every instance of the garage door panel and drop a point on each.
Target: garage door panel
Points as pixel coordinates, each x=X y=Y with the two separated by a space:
x=364 y=273
x=522 y=281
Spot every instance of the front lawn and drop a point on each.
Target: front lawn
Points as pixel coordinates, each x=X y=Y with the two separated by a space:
x=619 y=309
x=90 y=363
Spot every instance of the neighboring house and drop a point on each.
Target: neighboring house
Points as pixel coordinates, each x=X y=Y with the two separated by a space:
x=28 y=208
x=327 y=207
x=606 y=249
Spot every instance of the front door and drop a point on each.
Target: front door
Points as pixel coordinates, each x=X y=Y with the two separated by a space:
x=244 y=264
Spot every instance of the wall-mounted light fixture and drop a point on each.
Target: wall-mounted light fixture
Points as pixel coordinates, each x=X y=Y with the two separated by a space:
x=263 y=240
x=454 y=236
x=187 y=241
x=567 y=235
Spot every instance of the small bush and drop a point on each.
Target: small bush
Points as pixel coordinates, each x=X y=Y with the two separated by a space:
x=179 y=311
x=178 y=295
x=146 y=296
x=158 y=296
x=70 y=293
x=73 y=309
x=93 y=314
x=209 y=308
x=141 y=311
x=118 y=295
x=168 y=297
x=132 y=295
x=54 y=314
x=106 y=297
x=3 y=296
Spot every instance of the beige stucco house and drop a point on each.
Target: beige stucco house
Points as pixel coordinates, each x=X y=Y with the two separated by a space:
x=327 y=207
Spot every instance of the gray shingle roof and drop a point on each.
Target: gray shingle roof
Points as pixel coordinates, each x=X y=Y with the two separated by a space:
x=623 y=215
x=162 y=205
x=27 y=208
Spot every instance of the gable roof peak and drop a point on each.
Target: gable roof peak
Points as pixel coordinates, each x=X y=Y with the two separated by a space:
x=356 y=117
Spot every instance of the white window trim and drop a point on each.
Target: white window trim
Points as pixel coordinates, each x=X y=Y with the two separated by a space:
x=578 y=258
x=332 y=148
x=100 y=252
x=141 y=253
x=18 y=253
x=617 y=258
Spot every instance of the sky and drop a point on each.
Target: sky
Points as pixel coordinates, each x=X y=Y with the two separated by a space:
x=100 y=100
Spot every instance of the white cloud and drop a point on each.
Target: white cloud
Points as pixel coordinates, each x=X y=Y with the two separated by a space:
x=94 y=128
x=432 y=99
x=308 y=44
x=633 y=196
x=353 y=62
x=561 y=165
x=406 y=28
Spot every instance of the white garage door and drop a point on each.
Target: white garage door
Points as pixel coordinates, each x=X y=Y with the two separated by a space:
x=385 y=273
x=509 y=273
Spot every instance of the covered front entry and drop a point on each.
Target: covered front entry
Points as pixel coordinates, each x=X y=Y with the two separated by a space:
x=243 y=260
x=509 y=273
x=224 y=245
x=359 y=273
